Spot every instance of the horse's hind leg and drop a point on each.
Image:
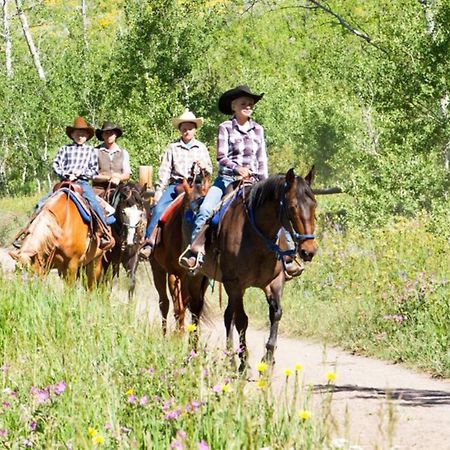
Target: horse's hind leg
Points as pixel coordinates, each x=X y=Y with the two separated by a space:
x=160 y=280
x=178 y=299
x=274 y=292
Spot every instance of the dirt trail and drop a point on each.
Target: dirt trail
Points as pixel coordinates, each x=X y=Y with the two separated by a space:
x=367 y=391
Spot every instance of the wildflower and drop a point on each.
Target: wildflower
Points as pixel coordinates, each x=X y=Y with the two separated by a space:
x=176 y=445
x=5 y=368
x=6 y=405
x=225 y=388
x=173 y=415
x=60 y=387
x=3 y=432
x=203 y=445
x=304 y=415
x=130 y=392
x=27 y=443
x=287 y=372
x=261 y=384
x=191 y=327
x=298 y=367
x=33 y=425
x=91 y=431
x=125 y=430
x=98 y=440
x=132 y=399
x=143 y=400
x=217 y=388
x=331 y=377
x=108 y=426
x=262 y=367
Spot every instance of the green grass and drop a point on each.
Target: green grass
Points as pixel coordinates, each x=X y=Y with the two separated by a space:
x=81 y=371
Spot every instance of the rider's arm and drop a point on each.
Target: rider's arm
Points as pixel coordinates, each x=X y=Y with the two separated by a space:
x=165 y=169
x=58 y=163
x=223 y=148
x=91 y=170
x=261 y=155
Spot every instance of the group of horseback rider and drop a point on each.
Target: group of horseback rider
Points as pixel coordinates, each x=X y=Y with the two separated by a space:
x=241 y=154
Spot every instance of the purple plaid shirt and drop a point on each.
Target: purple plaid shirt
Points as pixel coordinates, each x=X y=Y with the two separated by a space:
x=238 y=147
x=73 y=157
x=178 y=159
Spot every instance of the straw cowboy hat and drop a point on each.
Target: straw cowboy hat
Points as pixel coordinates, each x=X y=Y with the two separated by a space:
x=187 y=116
x=239 y=91
x=80 y=124
x=108 y=126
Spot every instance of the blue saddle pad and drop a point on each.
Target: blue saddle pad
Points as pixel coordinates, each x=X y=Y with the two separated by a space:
x=216 y=218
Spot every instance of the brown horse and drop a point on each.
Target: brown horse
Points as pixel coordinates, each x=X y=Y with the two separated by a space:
x=128 y=230
x=243 y=252
x=58 y=237
x=186 y=291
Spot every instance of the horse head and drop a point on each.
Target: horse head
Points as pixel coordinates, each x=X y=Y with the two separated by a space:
x=299 y=217
x=131 y=213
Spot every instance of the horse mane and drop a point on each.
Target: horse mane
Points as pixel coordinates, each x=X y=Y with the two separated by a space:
x=273 y=187
x=43 y=236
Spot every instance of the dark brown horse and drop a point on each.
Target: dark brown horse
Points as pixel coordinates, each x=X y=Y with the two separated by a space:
x=128 y=230
x=58 y=237
x=244 y=252
x=186 y=291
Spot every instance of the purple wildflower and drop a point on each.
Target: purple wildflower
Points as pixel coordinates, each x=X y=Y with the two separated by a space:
x=202 y=445
x=125 y=430
x=173 y=415
x=27 y=443
x=217 y=389
x=167 y=404
x=143 y=400
x=108 y=426
x=33 y=425
x=5 y=368
x=132 y=399
x=6 y=405
x=60 y=387
x=176 y=445
x=3 y=432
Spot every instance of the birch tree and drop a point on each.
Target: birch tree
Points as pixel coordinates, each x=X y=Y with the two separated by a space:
x=7 y=39
x=29 y=39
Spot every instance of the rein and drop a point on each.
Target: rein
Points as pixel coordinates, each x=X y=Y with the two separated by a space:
x=270 y=244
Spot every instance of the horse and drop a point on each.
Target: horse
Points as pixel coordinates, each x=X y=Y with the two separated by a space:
x=186 y=291
x=243 y=252
x=60 y=238
x=127 y=230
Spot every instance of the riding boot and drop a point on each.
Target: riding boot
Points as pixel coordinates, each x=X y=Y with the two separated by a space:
x=293 y=268
x=146 y=251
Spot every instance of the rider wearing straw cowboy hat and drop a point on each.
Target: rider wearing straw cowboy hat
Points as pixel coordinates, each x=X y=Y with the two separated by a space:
x=113 y=161
x=176 y=165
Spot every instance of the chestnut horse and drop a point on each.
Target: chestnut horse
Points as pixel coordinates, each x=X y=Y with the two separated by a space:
x=186 y=291
x=128 y=230
x=59 y=238
x=243 y=252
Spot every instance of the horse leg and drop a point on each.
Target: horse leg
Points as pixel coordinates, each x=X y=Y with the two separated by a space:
x=196 y=289
x=274 y=292
x=131 y=270
x=179 y=307
x=160 y=280
x=235 y=313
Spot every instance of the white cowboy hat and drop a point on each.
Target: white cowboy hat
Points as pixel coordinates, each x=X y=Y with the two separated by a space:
x=187 y=116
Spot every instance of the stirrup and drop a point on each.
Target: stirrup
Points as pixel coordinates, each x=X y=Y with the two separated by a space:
x=182 y=260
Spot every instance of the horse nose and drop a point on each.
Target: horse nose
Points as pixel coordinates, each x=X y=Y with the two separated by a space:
x=308 y=253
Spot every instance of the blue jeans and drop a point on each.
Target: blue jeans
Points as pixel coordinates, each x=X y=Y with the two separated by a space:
x=89 y=195
x=212 y=198
x=166 y=199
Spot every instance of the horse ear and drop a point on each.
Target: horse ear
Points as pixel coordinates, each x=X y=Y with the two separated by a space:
x=290 y=177
x=310 y=177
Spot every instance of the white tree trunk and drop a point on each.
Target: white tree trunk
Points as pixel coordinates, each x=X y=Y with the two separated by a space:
x=7 y=40
x=29 y=39
x=85 y=22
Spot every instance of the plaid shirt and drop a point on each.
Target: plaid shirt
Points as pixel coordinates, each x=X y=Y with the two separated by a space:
x=238 y=147
x=178 y=159
x=73 y=157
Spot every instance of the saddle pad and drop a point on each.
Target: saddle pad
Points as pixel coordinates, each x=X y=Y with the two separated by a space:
x=80 y=203
x=170 y=209
x=222 y=207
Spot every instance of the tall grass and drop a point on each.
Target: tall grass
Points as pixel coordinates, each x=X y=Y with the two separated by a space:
x=81 y=371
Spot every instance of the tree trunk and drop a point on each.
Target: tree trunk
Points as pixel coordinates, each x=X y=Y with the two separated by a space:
x=29 y=39
x=7 y=40
x=85 y=22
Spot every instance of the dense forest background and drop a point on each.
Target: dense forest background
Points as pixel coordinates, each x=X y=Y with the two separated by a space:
x=358 y=88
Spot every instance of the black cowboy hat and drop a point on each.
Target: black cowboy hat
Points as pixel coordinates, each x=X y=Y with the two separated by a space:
x=108 y=126
x=239 y=91
x=80 y=124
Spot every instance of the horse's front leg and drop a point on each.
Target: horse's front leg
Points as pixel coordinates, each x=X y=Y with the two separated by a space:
x=160 y=280
x=274 y=292
x=131 y=271
x=179 y=308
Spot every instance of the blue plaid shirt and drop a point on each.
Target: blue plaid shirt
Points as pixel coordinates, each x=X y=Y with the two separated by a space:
x=74 y=157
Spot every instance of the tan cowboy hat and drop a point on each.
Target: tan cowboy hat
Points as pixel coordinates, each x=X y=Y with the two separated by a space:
x=187 y=116
x=80 y=124
x=239 y=91
x=108 y=126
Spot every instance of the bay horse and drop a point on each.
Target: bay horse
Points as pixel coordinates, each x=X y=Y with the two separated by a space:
x=60 y=238
x=244 y=252
x=186 y=291
x=128 y=230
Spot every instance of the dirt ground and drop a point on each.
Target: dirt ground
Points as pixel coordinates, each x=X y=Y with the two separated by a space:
x=375 y=405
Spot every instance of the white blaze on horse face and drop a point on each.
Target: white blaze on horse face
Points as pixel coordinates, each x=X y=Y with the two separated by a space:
x=134 y=217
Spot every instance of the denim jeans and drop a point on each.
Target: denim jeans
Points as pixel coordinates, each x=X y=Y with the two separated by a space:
x=166 y=199
x=212 y=198
x=89 y=195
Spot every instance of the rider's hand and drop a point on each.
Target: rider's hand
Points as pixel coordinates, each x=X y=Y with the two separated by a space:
x=72 y=177
x=243 y=172
x=157 y=196
x=115 y=179
x=77 y=173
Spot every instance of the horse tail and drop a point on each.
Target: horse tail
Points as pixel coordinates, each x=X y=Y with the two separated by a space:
x=43 y=236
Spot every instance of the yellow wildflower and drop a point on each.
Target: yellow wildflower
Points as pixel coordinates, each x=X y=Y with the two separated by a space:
x=130 y=392
x=91 y=431
x=331 y=377
x=261 y=384
x=98 y=440
x=287 y=372
x=262 y=367
x=298 y=367
x=225 y=388
x=304 y=415
x=191 y=327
